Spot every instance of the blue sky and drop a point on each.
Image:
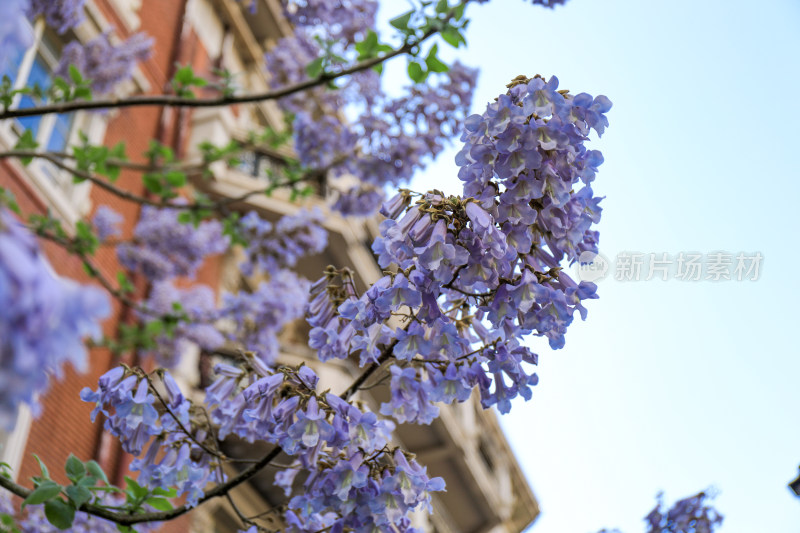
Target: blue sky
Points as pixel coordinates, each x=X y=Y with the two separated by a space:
x=669 y=385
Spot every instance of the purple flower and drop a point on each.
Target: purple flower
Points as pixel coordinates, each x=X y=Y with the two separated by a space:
x=43 y=320
x=103 y=62
x=271 y=247
x=106 y=223
x=258 y=317
x=61 y=15
x=165 y=248
x=311 y=426
x=198 y=306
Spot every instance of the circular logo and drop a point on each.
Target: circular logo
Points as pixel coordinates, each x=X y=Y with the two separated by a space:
x=591 y=266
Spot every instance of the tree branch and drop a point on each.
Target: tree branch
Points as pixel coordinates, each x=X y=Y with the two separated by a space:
x=222 y=489
x=177 y=101
x=311 y=175
x=158 y=516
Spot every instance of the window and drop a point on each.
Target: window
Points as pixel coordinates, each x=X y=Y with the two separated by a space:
x=34 y=66
x=54 y=133
x=260 y=164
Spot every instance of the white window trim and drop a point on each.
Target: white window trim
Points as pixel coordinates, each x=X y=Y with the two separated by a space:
x=14 y=443
x=128 y=11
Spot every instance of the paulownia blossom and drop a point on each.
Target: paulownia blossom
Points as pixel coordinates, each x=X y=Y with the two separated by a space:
x=44 y=320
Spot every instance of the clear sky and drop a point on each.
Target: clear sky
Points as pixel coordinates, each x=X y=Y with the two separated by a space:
x=669 y=385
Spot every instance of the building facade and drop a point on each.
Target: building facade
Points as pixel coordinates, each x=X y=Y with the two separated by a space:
x=486 y=490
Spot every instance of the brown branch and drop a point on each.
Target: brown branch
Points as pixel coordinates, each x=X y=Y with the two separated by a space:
x=177 y=101
x=214 y=453
x=158 y=516
x=187 y=167
x=222 y=489
x=131 y=197
x=359 y=381
x=312 y=175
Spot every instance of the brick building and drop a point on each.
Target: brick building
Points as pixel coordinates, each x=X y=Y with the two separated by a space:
x=486 y=488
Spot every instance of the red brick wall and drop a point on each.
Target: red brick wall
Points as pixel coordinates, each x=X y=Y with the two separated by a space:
x=64 y=426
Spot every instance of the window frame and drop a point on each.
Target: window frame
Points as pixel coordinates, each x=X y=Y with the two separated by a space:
x=68 y=201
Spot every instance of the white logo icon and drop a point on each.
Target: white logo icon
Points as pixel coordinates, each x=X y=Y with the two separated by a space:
x=591 y=266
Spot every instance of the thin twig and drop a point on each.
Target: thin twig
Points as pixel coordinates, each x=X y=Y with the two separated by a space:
x=177 y=420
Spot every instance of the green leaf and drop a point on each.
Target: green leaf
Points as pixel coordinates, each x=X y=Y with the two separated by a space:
x=126 y=286
x=88 y=244
x=159 y=504
x=26 y=141
x=88 y=481
x=458 y=12
x=75 y=75
x=45 y=473
x=186 y=217
x=153 y=183
x=433 y=63
x=442 y=6
x=92 y=466
x=314 y=69
x=134 y=491
x=453 y=37
x=7 y=198
x=82 y=93
x=59 y=513
x=118 y=151
x=61 y=84
x=175 y=178
x=367 y=48
x=401 y=22
x=156 y=327
x=167 y=493
x=416 y=73
x=78 y=494
x=184 y=75
x=44 y=492
x=74 y=468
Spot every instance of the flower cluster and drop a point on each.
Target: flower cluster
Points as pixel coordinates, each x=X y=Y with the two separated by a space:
x=197 y=309
x=43 y=320
x=106 y=223
x=398 y=134
x=104 y=63
x=257 y=317
x=272 y=247
x=528 y=150
x=341 y=19
x=174 y=457
x=689 y=515
x=385 y=140
x=61 y=15
x=390 y=139
x=352 y=478
x=165 y=248
x=473 y=277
